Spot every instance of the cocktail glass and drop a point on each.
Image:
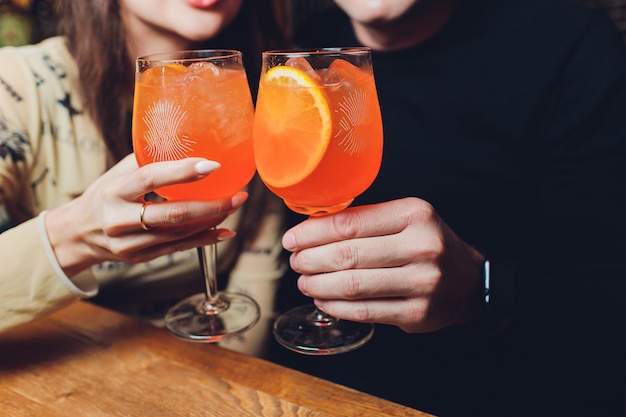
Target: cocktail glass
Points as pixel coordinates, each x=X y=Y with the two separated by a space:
x=197 y=103
x=318 y=142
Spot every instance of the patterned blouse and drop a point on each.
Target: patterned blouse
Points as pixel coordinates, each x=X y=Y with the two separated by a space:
x=50 y=152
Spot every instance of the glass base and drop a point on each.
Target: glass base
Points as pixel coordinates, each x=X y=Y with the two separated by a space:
x=305 y=331
x=195 y=320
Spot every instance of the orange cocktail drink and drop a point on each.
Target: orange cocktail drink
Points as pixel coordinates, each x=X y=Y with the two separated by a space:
x=180 y=112
x=318 y=133
x=318 y=143
x=197 y=103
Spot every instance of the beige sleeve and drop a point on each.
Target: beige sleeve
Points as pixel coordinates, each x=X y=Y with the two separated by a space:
x=30 y=283
x=29 y=286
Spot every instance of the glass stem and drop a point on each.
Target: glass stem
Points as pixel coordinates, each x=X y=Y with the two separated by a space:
x=317 y=316
x=213 y=304
x=321 y=319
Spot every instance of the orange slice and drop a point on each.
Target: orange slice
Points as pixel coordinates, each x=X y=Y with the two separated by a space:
x=292 y=126
x=155 y=75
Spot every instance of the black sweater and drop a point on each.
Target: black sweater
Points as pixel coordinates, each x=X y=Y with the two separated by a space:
x=511 y=122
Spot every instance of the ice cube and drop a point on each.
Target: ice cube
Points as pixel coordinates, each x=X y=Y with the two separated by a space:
x=338 y=72
x=204 y=71
x=303 y=65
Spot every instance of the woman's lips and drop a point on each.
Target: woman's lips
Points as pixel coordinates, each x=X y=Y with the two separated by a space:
x=201 y=4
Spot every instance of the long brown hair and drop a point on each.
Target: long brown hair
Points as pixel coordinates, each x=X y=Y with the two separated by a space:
x=97 y=41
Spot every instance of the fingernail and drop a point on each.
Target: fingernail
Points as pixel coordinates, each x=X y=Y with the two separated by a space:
x=206 y=167
x=225 y=235
x=238 y=199
x=289 y=241
x=301 y=283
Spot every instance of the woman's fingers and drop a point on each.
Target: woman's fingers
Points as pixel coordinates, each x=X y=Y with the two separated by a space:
x=177 y=213
x=169 y=214
x=143 y=249
x=159 y=174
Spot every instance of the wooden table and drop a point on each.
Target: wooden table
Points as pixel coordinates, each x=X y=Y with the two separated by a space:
x=88 y=361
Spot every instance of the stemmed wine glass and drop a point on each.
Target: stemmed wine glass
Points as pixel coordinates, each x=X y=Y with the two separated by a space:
x=318 y=141
x=198 y=103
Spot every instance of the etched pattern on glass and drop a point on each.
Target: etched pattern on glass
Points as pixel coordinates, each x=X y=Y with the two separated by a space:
x=354 y=110
x=162 y=140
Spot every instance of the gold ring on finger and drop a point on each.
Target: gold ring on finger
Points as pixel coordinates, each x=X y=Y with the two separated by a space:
x=144 y=226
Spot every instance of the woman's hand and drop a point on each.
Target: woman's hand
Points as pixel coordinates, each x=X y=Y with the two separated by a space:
x=103 y=224
x=396 y=263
